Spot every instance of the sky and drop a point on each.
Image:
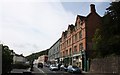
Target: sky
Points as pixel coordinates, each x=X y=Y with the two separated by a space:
x=30 y=26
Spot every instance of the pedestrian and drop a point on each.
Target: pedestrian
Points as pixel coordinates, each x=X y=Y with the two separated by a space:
x=31 y=66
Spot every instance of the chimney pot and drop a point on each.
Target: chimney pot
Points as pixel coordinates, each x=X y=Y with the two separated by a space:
x=92 y=6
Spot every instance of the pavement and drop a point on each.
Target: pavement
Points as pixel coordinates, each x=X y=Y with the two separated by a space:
x=20 y=70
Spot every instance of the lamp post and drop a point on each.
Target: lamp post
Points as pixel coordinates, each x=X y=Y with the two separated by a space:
x=33 y=57
x=84 y=60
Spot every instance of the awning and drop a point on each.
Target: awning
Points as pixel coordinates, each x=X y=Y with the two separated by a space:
x=76 y=55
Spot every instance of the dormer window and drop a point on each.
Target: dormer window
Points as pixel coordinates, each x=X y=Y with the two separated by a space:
x=81 y=23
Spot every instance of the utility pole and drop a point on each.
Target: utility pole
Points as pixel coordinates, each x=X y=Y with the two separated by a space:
x=84 y=60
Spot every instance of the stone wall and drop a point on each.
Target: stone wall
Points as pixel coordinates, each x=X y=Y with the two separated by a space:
x=105 y=65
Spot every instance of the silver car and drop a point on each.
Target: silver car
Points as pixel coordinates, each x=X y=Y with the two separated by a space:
x=53 y=67
x=74 y=69
x=63 y=68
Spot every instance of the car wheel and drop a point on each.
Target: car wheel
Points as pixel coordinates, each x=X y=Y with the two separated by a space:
x=68 y=71
x=72 y=72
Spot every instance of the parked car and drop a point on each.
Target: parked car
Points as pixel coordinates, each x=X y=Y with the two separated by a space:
x=74 y=69
x=59 y=66
x=53 y=67
x=40 y=65
x=63 y=67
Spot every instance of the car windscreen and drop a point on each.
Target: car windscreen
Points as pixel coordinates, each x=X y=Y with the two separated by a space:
x=74 y=66
x=54 y=65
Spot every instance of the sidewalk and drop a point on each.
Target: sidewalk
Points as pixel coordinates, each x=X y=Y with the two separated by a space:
x=20 y=70
x=84 y=72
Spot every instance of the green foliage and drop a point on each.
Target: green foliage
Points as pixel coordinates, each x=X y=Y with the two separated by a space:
x=66 y=60
x=21 y=66
x=107 y=38
x=97 y=42
x=36 y=55
x=7 y=59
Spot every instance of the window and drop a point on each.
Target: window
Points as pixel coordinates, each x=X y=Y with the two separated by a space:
x=75 y=49
x=75 y=37
x=81 y=23
x=63 y=53
x=80 y=34
x=64 y=44
x=57 y=49
x=81 y=46
x=66 y=52
x=60 y=54
x=69 y=41
x=70 y=52
x=76 y=57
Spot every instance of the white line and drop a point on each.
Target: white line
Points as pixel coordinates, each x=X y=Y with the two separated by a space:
x=41 y=71
x=28 y=69
x=54 y=71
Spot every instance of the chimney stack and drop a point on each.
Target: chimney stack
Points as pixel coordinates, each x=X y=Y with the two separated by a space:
x=92 y=7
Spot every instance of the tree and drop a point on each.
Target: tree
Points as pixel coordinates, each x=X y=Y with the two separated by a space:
x=107 y=37
x=36 y=55
x=7 y=60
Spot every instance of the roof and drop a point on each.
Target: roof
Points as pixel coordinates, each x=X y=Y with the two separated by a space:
x=91 y=14
x=71 y=27
x=19 y=55
x=55 y=43
x=81 y=17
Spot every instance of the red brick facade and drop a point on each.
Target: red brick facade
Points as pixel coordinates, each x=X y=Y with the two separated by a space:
x=78 y=37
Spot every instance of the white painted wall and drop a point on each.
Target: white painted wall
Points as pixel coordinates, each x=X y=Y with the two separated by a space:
x=18 y=59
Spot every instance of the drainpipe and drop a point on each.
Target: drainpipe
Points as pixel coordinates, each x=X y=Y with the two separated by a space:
x=72 y=49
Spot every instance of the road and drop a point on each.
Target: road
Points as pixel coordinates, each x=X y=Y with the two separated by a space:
x=19 y=70
x=46 y=71
x=41 y=71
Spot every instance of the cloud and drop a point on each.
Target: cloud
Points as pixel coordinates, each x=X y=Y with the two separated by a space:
x=33 y=26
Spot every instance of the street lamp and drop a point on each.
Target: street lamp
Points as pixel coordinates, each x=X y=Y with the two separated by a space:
x=33 y=57
x=84 y=60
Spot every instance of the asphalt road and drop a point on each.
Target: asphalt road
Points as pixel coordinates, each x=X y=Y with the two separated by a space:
x=46 y=71
x=18 y=70
x=41 y=71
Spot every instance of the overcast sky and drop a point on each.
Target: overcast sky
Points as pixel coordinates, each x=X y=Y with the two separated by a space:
x=29 y=26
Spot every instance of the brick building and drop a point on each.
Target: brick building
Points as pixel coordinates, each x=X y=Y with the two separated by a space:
x=76 y=41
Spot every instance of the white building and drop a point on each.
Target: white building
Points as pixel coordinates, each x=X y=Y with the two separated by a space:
x=54 y=52
x=19 y=58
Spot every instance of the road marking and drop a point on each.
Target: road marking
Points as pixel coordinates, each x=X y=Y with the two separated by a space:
x=41 y=71
x=54 y=71
x=28 y=69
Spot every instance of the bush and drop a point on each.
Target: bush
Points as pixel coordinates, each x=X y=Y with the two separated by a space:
x=21 y=66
